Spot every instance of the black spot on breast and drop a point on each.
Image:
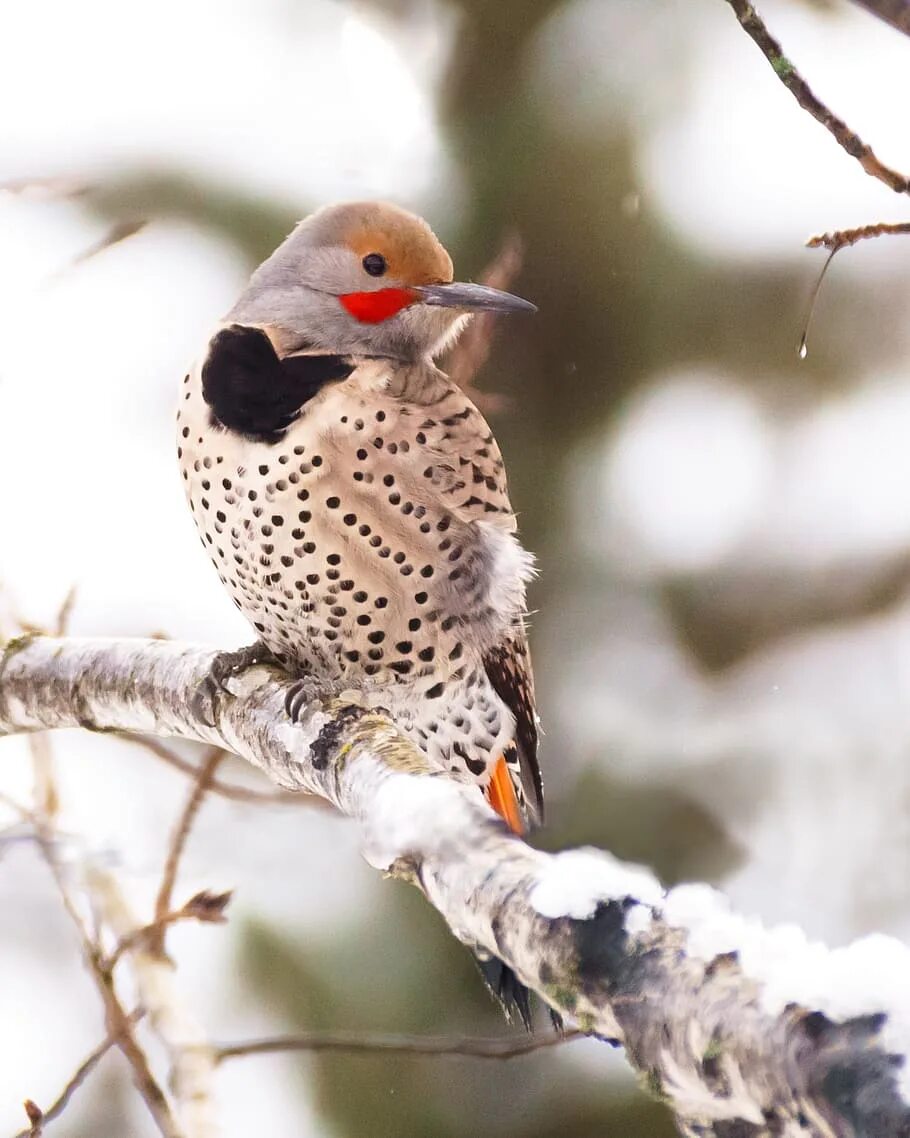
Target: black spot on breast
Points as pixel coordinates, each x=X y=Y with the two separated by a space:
x=253 y=392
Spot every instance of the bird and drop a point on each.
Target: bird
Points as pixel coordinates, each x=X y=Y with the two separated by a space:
x=355 y=505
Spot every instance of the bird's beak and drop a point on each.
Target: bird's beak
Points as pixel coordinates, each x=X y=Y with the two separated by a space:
x=471 y=297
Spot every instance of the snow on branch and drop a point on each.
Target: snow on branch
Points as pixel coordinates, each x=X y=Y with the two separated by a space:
x=745 y=1032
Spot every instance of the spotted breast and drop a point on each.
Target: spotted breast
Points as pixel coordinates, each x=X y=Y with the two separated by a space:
x=359 y=517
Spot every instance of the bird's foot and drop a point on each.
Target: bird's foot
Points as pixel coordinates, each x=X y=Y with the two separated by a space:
x=303 y=692
x=307 y=690
x=225 y=666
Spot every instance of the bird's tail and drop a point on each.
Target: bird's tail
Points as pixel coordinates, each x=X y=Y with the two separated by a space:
x=503 y=797
x=505 y=987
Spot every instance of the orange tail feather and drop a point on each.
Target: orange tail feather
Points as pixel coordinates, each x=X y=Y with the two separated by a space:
x=501 y=796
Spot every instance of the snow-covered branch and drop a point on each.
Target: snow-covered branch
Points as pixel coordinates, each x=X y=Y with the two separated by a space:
x=744 y=1031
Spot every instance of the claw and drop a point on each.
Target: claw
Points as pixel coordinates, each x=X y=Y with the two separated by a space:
x=224 y=667
x=299 y=695
x=203 y=702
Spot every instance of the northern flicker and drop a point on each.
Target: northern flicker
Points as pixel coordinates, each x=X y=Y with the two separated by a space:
x=354 y=501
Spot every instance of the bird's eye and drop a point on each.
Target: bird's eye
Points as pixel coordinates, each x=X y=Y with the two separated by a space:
x=374 y=263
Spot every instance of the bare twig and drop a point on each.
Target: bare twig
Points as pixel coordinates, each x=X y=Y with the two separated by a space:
x=120 y=1027
x=119 y=231
x=835 y=241
x=472 y=350
x=119 y=1024
x=190 y=1057
x=210 y=764
x=115 y=235
x=53 y=189
x=225 y=789
x=893 y=12
x=191 y=1060
x=505 y=1047
x=76 y=1080
x=65 y=612
x=46 y=797
x=847 y=139
x=205 y=907
x=35 y=1117
x=841 y=238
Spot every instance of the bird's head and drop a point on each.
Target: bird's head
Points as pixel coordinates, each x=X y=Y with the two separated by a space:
x=365 y=278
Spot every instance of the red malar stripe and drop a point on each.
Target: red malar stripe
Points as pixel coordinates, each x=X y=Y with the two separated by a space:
x=374 y=307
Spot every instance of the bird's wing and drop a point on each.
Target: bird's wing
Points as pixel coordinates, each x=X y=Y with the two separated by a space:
x=508 y=668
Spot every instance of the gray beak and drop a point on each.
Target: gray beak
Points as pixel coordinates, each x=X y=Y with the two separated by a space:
x=472 y=296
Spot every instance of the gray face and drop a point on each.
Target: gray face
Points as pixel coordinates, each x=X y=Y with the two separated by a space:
x=299 y=288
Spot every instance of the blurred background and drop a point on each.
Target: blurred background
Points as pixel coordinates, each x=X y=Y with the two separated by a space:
x=722 y=619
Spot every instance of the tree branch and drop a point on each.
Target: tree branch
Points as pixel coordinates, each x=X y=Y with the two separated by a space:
x=191 y=1059
x=753 y=25
x=226 y=790
x=893 y=12
x=742 y=1030
x=119 y=1022
x=82 y=1072
x=163 y=907
x=350 y=1042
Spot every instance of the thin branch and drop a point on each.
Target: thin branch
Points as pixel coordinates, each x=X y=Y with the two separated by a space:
x=65 y=612
x=205 y=907
x=786 y=72
x=505 y=1047
x=210 y=764
x=118 y=232
x=46 y=796
x=78 y=1077
x=834 y=242
x=226 y=789
x=893 y=12
x=472 y=350
x=190 y=1057
x=841 y=238
x=119 y=1025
